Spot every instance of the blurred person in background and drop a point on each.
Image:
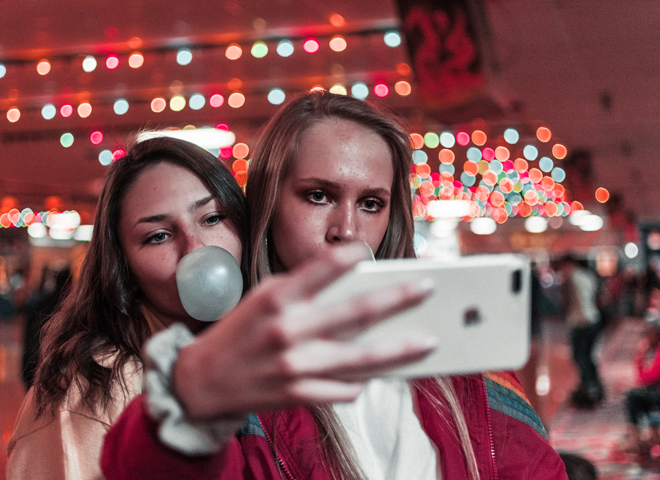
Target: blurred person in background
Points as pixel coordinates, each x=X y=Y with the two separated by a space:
x=645 y=399
x=55 y=281
x=579 y=299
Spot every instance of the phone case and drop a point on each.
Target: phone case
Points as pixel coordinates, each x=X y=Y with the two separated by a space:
x=479 y=311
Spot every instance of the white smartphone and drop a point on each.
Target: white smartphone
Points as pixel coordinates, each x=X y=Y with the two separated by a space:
x=479 y=311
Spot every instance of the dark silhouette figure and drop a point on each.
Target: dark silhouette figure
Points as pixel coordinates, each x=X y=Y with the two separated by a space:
x=54 y=284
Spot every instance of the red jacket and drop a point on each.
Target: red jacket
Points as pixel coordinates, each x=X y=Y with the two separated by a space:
x=507 y=436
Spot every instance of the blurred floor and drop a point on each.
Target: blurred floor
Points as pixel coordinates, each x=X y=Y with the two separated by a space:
x=548 y=378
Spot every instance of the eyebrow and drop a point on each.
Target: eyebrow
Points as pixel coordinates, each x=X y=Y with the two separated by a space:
x=163 y=216
x=332 y=185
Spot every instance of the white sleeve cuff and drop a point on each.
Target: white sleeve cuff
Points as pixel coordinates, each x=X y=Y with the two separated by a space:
x=175 y=430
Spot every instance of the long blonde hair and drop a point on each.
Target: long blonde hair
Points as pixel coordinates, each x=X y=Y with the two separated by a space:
x=273 y=155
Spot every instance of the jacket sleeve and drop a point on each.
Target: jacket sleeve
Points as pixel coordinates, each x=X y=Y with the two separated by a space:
x=522 y=453
x=132 y=450
x=648 y=373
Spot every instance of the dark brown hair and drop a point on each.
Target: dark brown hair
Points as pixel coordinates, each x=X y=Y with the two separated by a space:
x=101 y=315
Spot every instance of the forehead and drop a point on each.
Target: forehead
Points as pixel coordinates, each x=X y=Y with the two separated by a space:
x=163 y=185
x=343 y=147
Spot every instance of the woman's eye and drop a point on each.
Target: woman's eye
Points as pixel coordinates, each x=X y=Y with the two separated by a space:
x=372 y=204
x=214 y=219
x=317 y=197
x=158 y=237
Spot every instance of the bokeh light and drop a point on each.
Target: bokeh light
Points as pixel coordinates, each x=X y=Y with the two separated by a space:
x=502 y=153
x=120 y=107
x=338 y=43
x=89 y=64
x=276 y=96
x=419 y=157
x=602 y=195
x=240 y=150
x=236 y=100
x=177 y=103
x=197 y=101
x=530 y=152
x=417 y=140
x=43 y=67
x=479 y=138
x=216 y=100
x=546 y=164
x=158 y=104
x=13 y=114
x=558 y=174
x=559 y=151
x=311 y=45
x=543 y=134
x=447 y=139
x=96 y=137
x=136 y=60
x=259 y=49
x=360 y=90
x=403 y=88
x=338 y=89
x=511 y=136
x=285 y=48
x=48 y=111
x=234 y=51
x=462 y=138
x=84 y=110
x=392 y=39
x=3 y=70
x=66 y=140
x=112 y=62
x=66 y=110
x=184 y=56
x=381 y=90
x=431 y=140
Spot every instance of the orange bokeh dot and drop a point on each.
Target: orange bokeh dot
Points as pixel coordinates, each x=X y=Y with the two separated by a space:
x=427 y=189
x=524 y=209
x=479 y=137
x=543 y=134
x=520 y=165
x=547 y=183
x=418 y=140
x=423 y=170
x=241 y=178
x=506 y=185
x=239 y=165
x=234 y=51
x=236 y=100
x=240 y=150
x=559 y=151
x=482 y=193
x=496 y=199
x=337 y=43
x=531 y=197
x=43 y=67
x=403 y=69
x=535 y=175
x=602 y=195
x=551 y=209
x=576 y=207
x=502 y=153
x=446 y=156
x=402 y=88
x=490 y=177
x=471 y=167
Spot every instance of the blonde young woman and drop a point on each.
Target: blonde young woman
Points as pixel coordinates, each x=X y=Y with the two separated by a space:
x=328 y=170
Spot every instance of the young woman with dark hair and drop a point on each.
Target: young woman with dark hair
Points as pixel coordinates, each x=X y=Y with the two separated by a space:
x=328 y=170
x=164 y=199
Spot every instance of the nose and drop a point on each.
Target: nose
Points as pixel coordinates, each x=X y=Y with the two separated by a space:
x=191 y=241
x=343 y=225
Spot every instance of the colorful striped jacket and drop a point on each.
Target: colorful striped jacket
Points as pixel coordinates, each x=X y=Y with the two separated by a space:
x=508 y=438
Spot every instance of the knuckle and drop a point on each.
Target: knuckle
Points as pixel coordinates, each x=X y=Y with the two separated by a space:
x=279 y=335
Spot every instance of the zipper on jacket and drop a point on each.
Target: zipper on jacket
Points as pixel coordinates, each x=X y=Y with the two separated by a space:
x=490 y=430
x=278 y=460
